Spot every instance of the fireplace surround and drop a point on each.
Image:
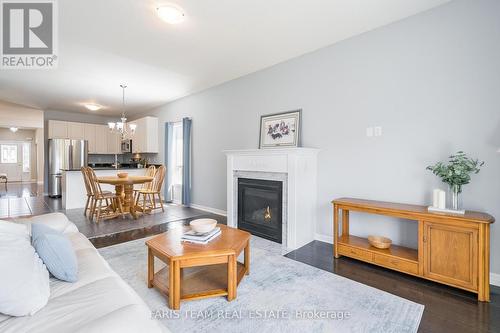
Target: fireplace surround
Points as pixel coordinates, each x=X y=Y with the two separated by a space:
x=296 y=170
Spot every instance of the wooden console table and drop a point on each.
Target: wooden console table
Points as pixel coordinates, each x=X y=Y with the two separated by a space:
x=452 y=249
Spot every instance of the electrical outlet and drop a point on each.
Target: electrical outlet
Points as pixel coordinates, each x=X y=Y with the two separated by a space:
x=378 y=130
x=369 y=131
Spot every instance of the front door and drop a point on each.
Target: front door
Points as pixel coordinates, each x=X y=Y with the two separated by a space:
x=15 y=160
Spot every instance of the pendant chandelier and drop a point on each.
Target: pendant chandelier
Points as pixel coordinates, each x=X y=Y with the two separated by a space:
x=126 y=131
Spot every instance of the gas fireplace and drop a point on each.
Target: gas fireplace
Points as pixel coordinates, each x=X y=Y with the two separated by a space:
x=260 y=207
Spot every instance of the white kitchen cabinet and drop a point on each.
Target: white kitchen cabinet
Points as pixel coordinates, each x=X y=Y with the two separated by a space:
x=58 y=129
x=76 y=131
x=89 y=135
x=145 y=139
x=101 y=139
x=113 y=143
x=137 y=140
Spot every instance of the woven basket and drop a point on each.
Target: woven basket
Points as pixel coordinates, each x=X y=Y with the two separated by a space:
x=380 y=242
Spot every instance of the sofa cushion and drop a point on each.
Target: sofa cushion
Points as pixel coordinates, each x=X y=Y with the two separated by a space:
x=88 y=307
x=24 y=279
x=91 y=268
x=56 y=251
x=57 y=221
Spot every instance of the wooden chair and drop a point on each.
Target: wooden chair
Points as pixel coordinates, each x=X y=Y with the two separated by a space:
x=90 y=204
x=90 y=195
x=150 y=172
x=151 y=193
x=111 y=201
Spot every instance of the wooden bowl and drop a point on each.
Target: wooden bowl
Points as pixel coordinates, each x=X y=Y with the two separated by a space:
x=203 y=225
x=122 y=175
x=379 y=242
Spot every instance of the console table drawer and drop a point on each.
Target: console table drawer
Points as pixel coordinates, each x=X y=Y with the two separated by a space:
x=355 y=253
x=395 y=263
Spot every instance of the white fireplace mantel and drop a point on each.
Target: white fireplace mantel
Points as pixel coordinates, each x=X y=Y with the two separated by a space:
x=298 y=169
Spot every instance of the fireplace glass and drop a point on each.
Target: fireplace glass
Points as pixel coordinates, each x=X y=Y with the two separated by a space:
x=260 y=207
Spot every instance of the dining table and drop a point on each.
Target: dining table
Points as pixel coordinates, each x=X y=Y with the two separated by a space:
x=124 y=188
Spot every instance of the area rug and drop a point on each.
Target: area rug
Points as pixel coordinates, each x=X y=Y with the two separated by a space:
x=279 y=295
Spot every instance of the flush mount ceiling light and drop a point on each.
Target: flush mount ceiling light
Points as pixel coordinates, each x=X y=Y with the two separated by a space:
x=13 y=129
x=172 y=14
x=93 y=107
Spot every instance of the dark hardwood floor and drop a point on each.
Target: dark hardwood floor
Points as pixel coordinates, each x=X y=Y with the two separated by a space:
x=118 y=230
x=446 y=309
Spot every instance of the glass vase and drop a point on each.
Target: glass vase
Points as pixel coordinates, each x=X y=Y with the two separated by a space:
x=455 y=197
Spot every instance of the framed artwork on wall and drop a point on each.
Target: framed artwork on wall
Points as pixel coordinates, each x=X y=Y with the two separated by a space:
x=280 y=130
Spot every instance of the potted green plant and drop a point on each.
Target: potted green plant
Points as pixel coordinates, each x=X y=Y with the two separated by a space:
x=456 y=173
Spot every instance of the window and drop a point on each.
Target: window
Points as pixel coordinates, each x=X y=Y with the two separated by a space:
x=26 y=156
x=177 y=154
x=8 y=153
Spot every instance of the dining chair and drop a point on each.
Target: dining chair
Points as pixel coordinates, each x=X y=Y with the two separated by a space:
x=150 y=172
x=88 y=188
x=90 y=204
x=111 y=201
x=154 y=190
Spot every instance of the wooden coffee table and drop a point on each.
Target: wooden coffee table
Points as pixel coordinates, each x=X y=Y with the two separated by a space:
x=196 y=271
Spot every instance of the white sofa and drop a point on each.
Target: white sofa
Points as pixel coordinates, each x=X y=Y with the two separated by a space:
x=100 y=301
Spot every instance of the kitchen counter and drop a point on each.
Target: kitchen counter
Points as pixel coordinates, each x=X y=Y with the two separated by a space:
x=74 y=194
x=106 y=168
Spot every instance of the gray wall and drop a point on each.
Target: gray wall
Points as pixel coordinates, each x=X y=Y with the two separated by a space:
x=431 y=81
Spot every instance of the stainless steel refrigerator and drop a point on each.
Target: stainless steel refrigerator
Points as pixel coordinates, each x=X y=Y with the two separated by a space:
x=64 y=154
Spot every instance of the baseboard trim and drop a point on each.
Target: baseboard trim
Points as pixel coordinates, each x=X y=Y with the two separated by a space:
x=209 y=209
x=323 y=238
x=494 y=278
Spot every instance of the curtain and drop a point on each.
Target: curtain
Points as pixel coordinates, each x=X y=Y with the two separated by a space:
x=186 y=165
x=169 y=142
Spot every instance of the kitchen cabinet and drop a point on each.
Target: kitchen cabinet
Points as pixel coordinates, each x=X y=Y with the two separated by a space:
x=101 y=139
x=145 y=139
x=58 y=129
x=137 y=139
x=89 y=135
x=113 y=143
x=76 y=131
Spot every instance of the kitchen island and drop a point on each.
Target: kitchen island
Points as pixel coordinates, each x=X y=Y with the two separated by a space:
x=74 y=194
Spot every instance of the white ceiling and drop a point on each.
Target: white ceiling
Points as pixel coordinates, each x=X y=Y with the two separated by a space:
x=103 y=43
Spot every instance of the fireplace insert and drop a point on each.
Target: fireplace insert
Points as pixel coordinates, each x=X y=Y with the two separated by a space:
x=260 y=207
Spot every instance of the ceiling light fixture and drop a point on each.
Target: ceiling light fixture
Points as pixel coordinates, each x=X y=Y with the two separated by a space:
x=172 y=14
x=92 y=106
x=126 y=131
x=13 y=129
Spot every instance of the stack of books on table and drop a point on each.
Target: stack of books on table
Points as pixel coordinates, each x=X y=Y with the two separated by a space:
x=200 y=238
